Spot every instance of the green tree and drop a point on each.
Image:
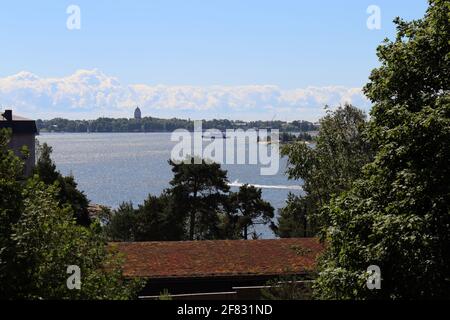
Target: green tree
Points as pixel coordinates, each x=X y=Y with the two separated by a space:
x=45 y=167
x=11 y=203
x=294 y=220
x=158 y=221
x=122 y=223
x=47 y=240
x=197 y=206
x=40 y=239
x=199 y=190
x=398 y=216
x=155 y=220
x=68 y=191
x=328 y=168
x=250 y=208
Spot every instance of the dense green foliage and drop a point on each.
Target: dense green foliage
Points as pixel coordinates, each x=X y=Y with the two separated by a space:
x=296 y=219
x=68 y=192
x=197 y=206
x=39 y=239
x=199 y=191
x=397 y=216
x=249 y=209
x=155 y=220
x=149 y=124
x=11 y=199
x=326 y=169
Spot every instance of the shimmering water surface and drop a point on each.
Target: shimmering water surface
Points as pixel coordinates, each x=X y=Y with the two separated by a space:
x=115 y=167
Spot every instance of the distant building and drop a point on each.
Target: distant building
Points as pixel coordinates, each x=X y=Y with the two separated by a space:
x=24 y=133
x=219 y=269
x=137 y=113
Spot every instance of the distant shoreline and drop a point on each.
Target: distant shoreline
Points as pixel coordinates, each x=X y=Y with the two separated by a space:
x=157 y=125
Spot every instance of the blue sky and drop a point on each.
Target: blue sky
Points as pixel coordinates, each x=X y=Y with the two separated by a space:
x=192 y=43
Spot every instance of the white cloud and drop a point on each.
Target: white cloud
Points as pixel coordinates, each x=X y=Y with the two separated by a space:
x=91 y=93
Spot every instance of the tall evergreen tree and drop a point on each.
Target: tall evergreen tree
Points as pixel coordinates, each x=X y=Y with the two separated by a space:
x=250 y=208
x=199 y=192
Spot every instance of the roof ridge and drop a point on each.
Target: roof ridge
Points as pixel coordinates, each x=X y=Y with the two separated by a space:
x=213 y=241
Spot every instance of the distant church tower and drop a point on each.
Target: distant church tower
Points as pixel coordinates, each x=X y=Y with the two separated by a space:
x=137 y=113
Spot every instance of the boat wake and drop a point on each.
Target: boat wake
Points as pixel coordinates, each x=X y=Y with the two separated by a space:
x=238 y=184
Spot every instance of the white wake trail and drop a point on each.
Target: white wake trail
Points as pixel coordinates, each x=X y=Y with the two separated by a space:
x=238 y=184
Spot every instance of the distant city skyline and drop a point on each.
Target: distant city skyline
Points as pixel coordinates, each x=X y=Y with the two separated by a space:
x=229 y=59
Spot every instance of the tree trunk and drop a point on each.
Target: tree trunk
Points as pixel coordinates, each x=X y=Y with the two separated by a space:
x=305 y=222
x=192 y=225
x=192 y=217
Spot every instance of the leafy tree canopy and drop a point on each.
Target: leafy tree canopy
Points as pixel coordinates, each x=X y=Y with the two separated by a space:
x=329 y=167
x=397 y=216
x=39 y=239
x=68 y=191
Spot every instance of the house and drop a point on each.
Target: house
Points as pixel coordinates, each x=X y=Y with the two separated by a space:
x=220 y=269
x=24 y=133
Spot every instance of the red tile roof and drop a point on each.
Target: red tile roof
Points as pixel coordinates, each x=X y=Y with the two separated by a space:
x=219 y=258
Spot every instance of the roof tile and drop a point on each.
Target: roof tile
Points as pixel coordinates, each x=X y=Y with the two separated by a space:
x=219 y=258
